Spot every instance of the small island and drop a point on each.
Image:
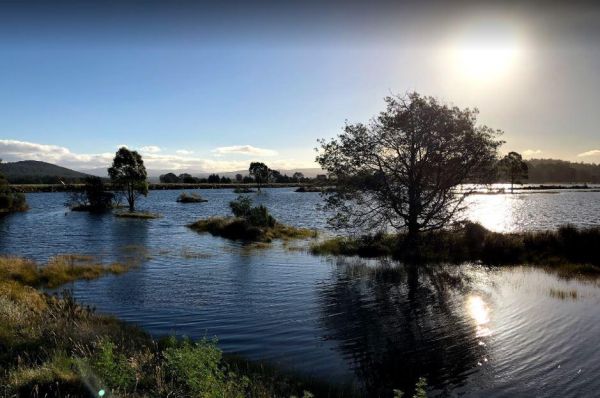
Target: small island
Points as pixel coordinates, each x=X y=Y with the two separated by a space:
x=143 y=215
x=243 y=190
x=250 y=224
x=190 y=198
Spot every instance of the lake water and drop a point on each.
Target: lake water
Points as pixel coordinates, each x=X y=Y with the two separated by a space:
x=374 y=325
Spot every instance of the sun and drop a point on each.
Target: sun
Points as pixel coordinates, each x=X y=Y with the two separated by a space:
x=486 y=53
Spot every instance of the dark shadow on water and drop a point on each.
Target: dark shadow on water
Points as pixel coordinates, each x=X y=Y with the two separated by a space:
x=396 y=323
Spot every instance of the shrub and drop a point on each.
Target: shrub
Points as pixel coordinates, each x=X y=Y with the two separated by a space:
x=255 y=216
x=94 y=197
x=112 y=367
x=198 y=366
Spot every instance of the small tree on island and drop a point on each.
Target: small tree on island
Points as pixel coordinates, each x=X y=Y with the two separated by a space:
x=403 y=168
x=514 y=168
x=128 y=175
x=260 y=172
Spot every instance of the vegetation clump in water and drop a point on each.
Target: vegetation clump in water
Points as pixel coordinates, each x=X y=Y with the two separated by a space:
x=239 y=190
x=10 y=201
x=190 y=198
x=137 y=214
x=472 y=242
x=312 y=188
x=253 y=224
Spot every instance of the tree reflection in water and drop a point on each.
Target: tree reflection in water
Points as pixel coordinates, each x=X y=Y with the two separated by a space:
x=395 y=323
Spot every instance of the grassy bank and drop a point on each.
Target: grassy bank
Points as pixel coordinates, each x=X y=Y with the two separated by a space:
x=59 y=270
x=51 y=346
x=240 y=229
x=472 y=242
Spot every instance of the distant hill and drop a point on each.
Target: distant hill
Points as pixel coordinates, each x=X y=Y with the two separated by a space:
x=36 y=172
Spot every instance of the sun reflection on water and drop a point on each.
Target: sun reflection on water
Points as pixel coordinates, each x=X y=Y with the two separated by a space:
x=480 y=312
x=494 y=212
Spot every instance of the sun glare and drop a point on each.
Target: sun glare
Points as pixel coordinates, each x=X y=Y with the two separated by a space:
x=486 y=54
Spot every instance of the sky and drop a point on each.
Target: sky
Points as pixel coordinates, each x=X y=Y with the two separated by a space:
x=211 y=86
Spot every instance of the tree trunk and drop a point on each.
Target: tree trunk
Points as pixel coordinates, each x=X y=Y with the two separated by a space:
x=131 y=199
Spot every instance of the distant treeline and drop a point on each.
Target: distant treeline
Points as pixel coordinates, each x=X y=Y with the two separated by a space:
x=540 y=171
x=552 y=170
x=274 y=177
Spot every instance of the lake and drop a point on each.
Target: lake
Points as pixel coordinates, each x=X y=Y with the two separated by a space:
x=372 y=325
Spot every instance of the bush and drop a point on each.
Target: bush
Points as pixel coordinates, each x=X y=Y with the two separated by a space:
x=198 y=367
x=113 y=368
x=94 y=197
x=255 y=216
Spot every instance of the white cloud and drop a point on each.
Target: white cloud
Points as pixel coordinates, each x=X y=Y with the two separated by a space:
x=150 y=149
x=593 y=152
x=183 y=152
x=243 y=150
x=13 y=150
x=531 y=152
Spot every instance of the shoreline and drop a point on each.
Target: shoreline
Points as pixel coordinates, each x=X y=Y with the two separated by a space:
x=542 y=187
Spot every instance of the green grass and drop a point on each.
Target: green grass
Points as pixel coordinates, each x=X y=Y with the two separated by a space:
x=570 y=250
x=240 y=229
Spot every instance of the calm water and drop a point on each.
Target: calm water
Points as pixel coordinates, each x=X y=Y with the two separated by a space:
x=471 y=330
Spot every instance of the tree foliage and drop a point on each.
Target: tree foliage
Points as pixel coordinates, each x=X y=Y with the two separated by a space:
x=128 y=174
x=169 y=178
x=403 y=168
x=514 y=168
x=260 y=172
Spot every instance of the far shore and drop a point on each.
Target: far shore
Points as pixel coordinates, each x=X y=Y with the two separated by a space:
x=31 y=188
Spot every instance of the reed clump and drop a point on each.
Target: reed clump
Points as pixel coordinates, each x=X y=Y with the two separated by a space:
x=568 y=245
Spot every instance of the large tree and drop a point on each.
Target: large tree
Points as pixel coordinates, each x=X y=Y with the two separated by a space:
x=514 y=168
x=260 y=172
x=128 y=175
x=403 y=168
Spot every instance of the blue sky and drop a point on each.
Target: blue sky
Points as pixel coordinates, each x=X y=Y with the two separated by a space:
x=212 y=89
